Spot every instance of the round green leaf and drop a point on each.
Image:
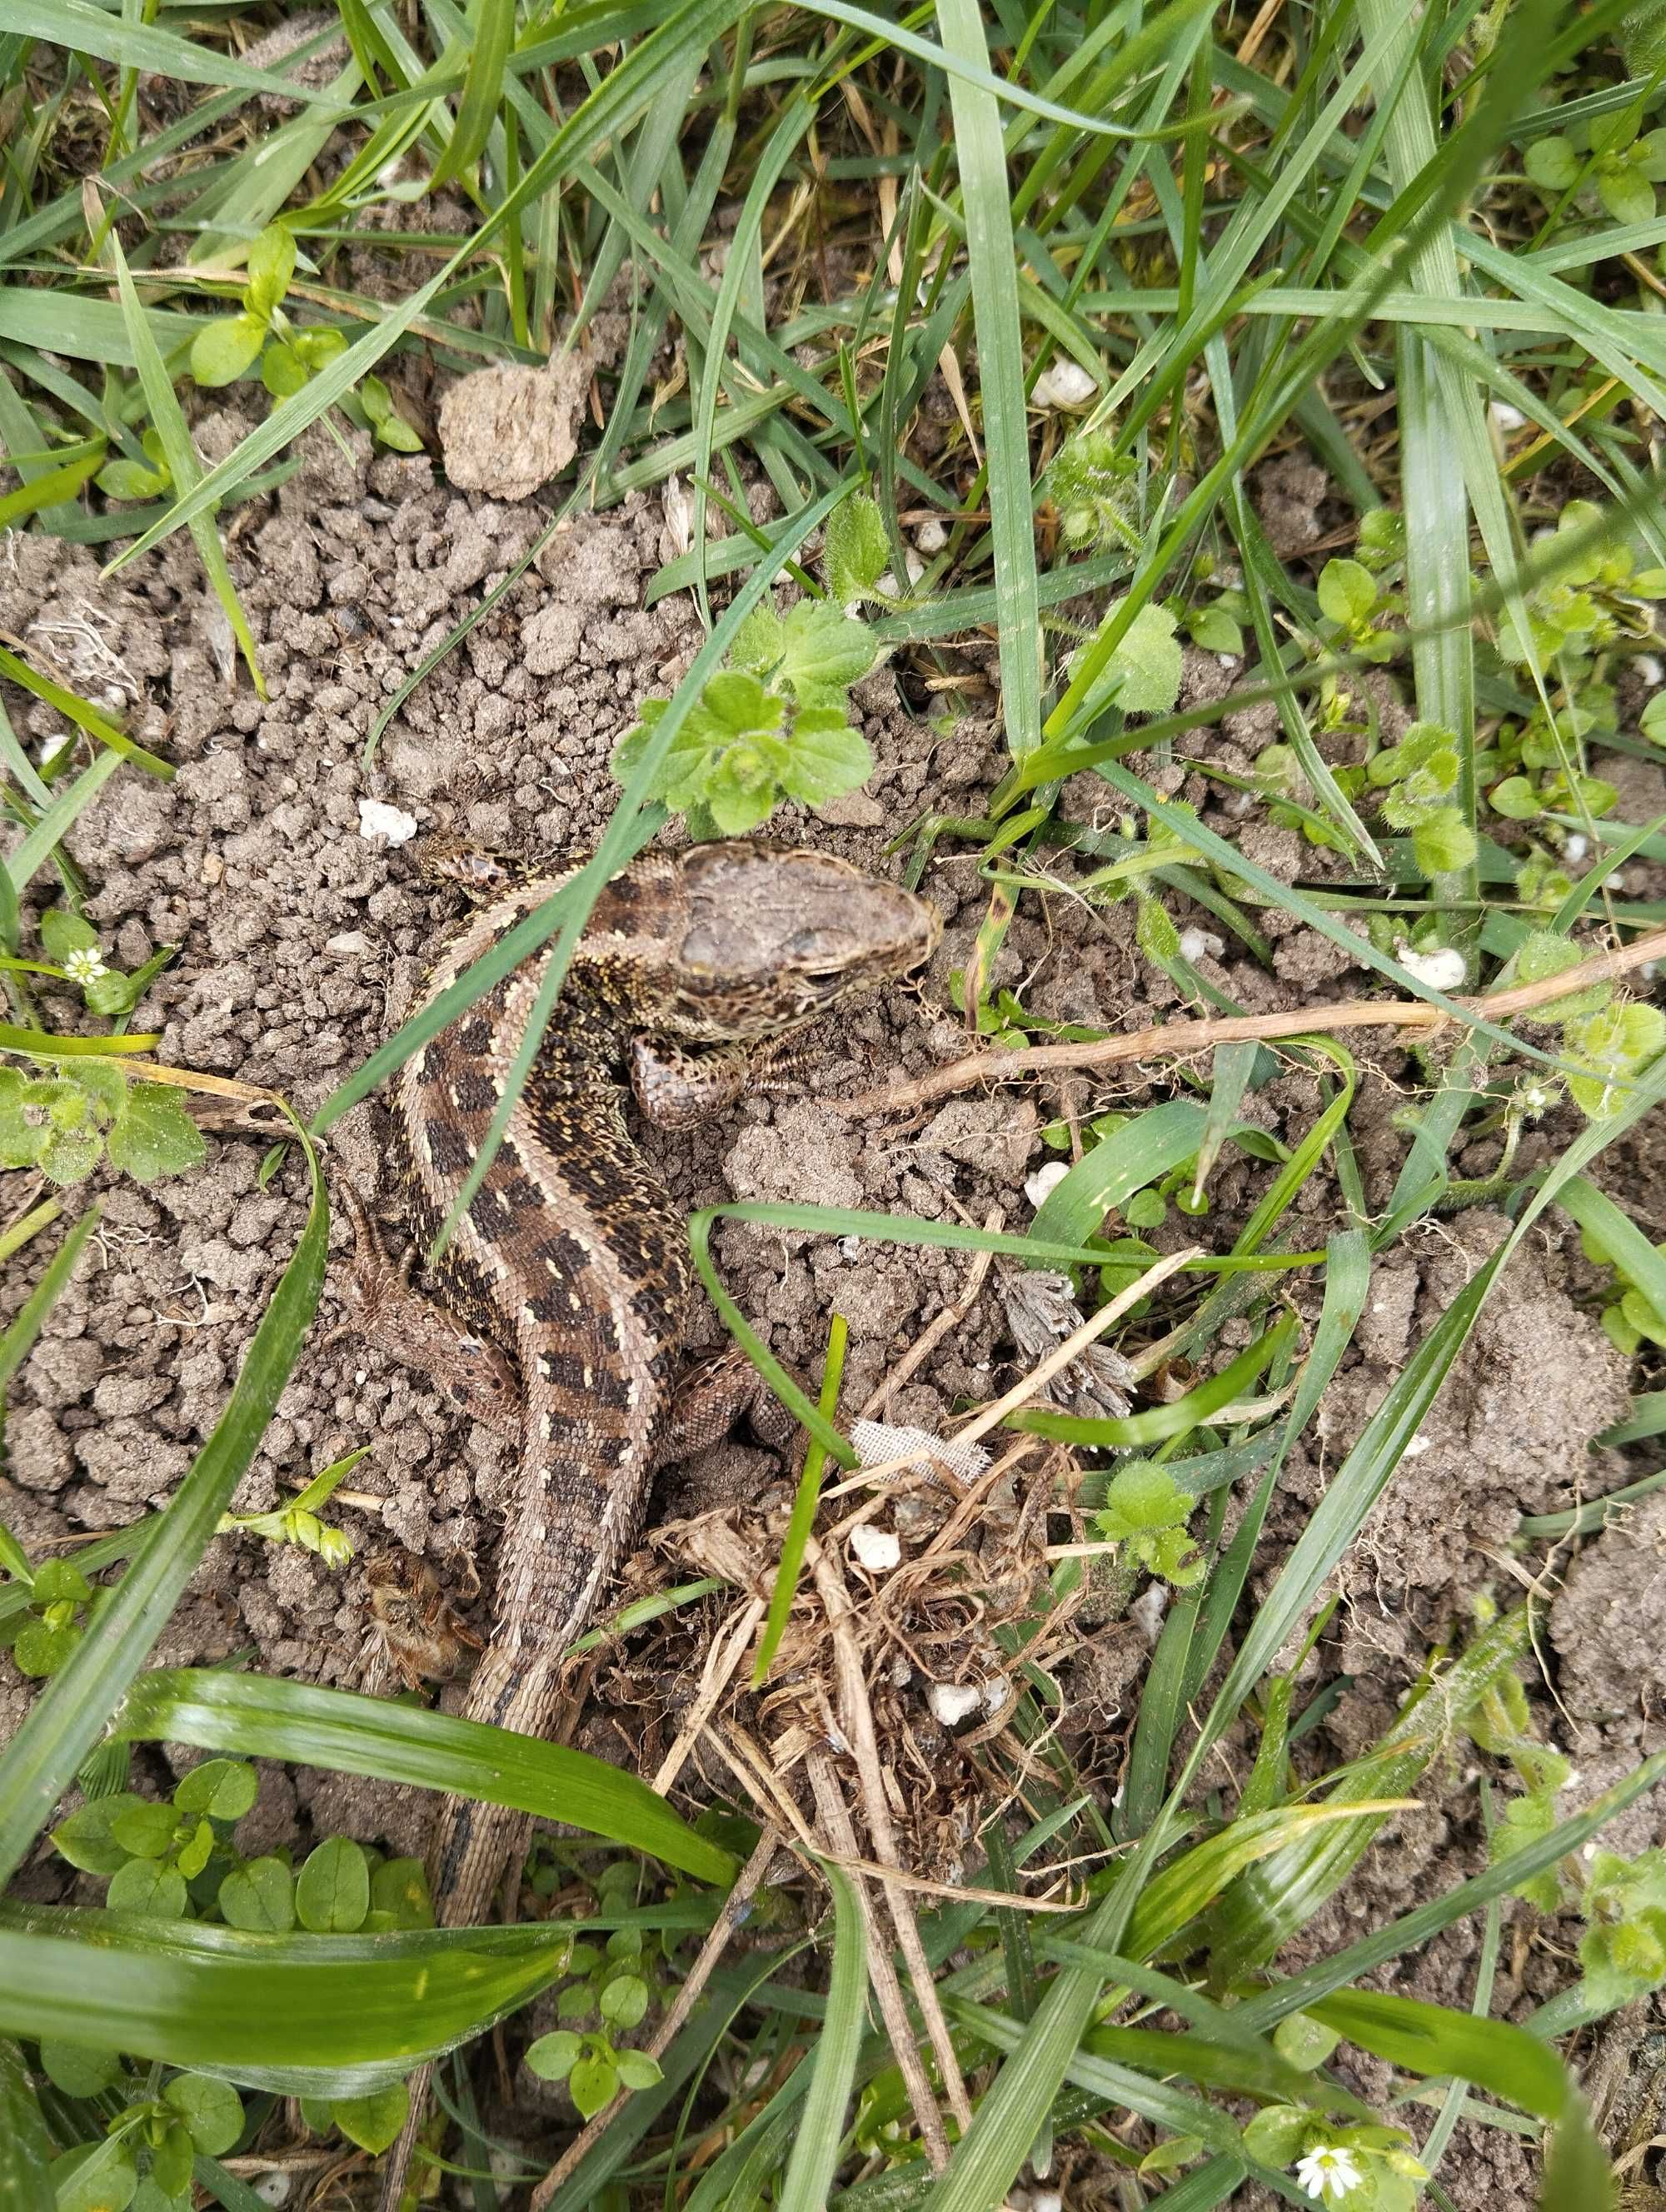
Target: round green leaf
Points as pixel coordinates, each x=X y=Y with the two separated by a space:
x=553 y=2057
x=211 y=2109
x=271 y=265
x=399 y=1888
x=593 y=2083
x=1627 y=194
x=98 y=2177
x=332 y=1890
x=373 y=2121
x=145 y=1831
x=1304 y=2041
x=142 y=1886
x=42 y=1647
x=220 y=354
x=85 y=1838
x=260 y=1896
x=125 y=479
x=76 y=2070
x=60 y=1581
x=636 y=2069
x=1552 y=164
x=222 y=1788
x=1515 y=799
x=624 y=2001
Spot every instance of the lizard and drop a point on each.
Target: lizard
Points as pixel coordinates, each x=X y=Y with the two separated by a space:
x=567 y=1286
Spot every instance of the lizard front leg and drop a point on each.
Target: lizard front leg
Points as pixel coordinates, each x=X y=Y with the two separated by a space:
x=399 y=1321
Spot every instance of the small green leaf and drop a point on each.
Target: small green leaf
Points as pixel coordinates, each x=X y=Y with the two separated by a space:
x=41 y=1647
x=593 y=2083
x=271 y=265
x=827 y=758
x=1515 y=799
x=1628 y=196
x=1543 y=954
x=125 y=479
x=623 y=2002
x=221 y=353
x=282 y=371
x=78 y=2071
x=170 y=2161
x=1347 y=594
x=224 y=1789
x=85 y=1838
x=69 y=1155
x=399 y=1888
x=637 y=2070
x=1150 y=663
x=97 y=2177
x=1215 y=631
x=194 y=1854
x=855 y=554
x=260 y=1895
x=332 y=1890
x=373 y=2121
x=1304 y=2041
x=154 y=1135
x=145 y=1831
x=823 y=653
x=1552 y=164
x=143 y=1887
x=62 y=932
x=1445 y=842
x=553 y=2057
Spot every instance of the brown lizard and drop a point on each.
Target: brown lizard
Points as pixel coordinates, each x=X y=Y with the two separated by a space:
x=567 y=1283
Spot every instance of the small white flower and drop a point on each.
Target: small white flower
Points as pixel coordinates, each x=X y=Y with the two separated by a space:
x=1328 y=2173
x=83 y=965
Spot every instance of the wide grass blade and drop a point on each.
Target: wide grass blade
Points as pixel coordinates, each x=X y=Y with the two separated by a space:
x=264 y=1716
x=303 y=2015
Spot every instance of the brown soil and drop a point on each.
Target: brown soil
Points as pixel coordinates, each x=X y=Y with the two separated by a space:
x=300 y=941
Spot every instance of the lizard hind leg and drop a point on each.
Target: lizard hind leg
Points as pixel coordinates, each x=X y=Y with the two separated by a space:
x=389 y=1314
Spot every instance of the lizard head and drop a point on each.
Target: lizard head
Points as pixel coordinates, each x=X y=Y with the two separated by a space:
x=774 y=938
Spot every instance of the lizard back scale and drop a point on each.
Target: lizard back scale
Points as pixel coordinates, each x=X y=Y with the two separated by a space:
x=568 y=1282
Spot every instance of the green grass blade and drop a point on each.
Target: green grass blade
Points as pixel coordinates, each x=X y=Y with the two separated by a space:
x=85 y=717
x=316 y=2015
x=1434 y=2040
x=805 y=1500
x=987 y=200
x=25 y=2151
x=169 y=416
x=19 y=1338
x=492 y=27
x=1142 y=1151
x=815 y=2148
x=89 y=29
x=265 y=1716
x=71 y=1712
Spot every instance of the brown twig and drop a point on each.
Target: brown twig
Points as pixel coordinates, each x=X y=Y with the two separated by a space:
x=1179 y=1040
x=717 y=1941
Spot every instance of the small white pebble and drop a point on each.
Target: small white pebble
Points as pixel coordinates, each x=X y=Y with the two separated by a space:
x=1646 y=973
x=1196 y=945
x=1147 y=1611
x=876 y=1549
x=352 y=941
x=1046 y=2200
x=1047 y=1177
x=273 y=2188
x=53 y=746
x=849 y=1247
x=115 y=695
x=1651 y=668
x=377 y=819
x=1442 y=969
x=953 y=1702
x=916 y=567
x=996 y=1691
x=1066 y=384
x=1416 y=1448
x=1577 y=847
x=1507 y=416
x=931 y=536
x=1617 y=882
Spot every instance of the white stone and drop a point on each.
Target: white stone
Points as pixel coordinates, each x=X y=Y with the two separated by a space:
x=953 y=1702
x=932 y=538
x=1442 y=969
x=1147 y=1611
x=353 y=942
x=273 y=2188
x=1047 y=1177
x=1577 y=847
x=377 y=819
x=1066 y=384
x=1196 y=945
x=876 y=1549
x=1507 y=416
